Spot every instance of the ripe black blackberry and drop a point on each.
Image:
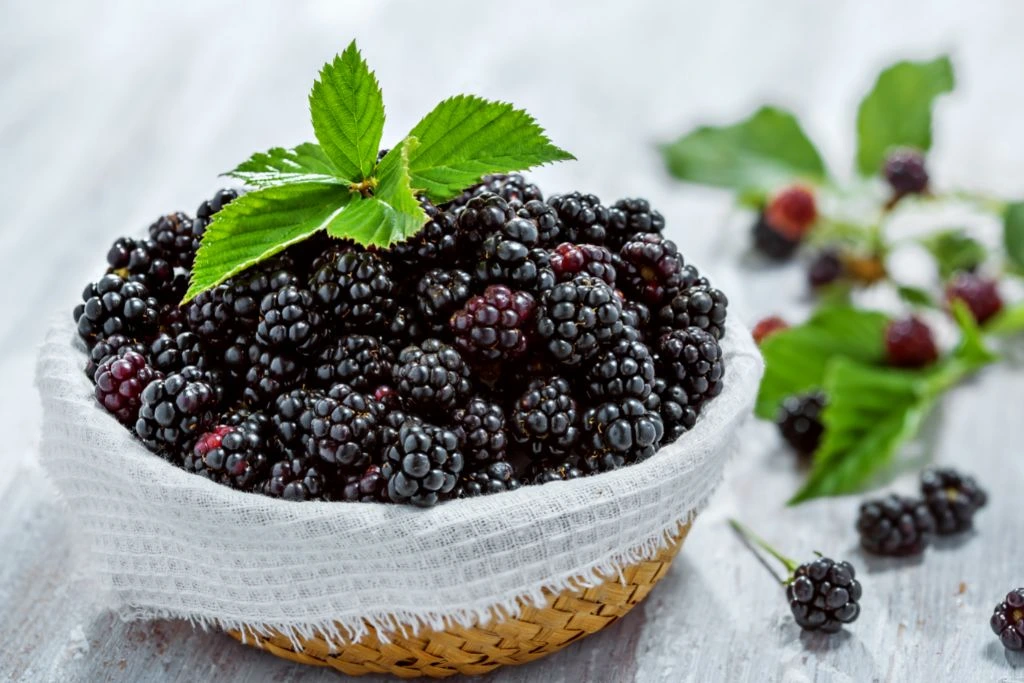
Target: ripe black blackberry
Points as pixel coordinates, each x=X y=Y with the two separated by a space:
x=269 y=375
x=483 y=215
x=652 y=269
x=110 y=346
x=953 y=498
x=496 y=477
x=823 y=595
x=825 y=268
x=237 y=453
x=344 y=429
x=404 y=328
x=175 y=236
x=569 y=260
x=120 y=380
x=439 y=294
x=495 y=325
x=115 y=306
x=544 y=218
x=208 y=208
x=423 y=465
x=772 y=243
x=544 y=473
x=144 y=261
x=700 y=306
x=432 y=376
x=355 y=287
x=509 y=261
x=369 y=486
x=799 y=421
x=639 y=218
x=482 y=431
x=576 y=317
x=289 y=320
x=678 y=413
x=1008 y=620
x=620 y=432
x=176 y=409
x=624 y=370
x=296 y=478
x=546 y=418
x=286 y=416
x=172 y=353
x=637 y=316
x=436 y=242
x=511 y=187
x=583 y=218
x=905 y=171
x=358 y=360
x=895 y=525
x=693 y=359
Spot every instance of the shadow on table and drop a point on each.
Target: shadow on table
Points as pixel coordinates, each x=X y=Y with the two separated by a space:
x=1000 y=656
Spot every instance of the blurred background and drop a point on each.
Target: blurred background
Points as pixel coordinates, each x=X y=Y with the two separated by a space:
x=114 y=113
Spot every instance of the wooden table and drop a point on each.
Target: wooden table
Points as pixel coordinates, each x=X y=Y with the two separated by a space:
x=116 y=112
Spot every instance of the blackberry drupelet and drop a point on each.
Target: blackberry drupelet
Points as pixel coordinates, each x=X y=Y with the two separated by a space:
x=110 y=346
x=115 y=306
x=700 y=306
x=496 y=477
x=561 y=471
x=289 y=320
x=269 y=375
x=905 y=172
x=358 y=360
x=544 y=218
x=678 y=414
x=652 y=269
x=823 y=595
x=355 y=287
x=238 y=454
x=369 y=486
x=693 y=359
x=978 y=293
x=583 y=218
x=576 y=317
x=423 y=465
x=569 y=260
x=176 y=409
x=172 y=353
x=296 y=478
x=344 y=429
x=546 y=418
x=439 y=294
x=432 y=376
x=482 y=431
x=909 y=343
x=895 y=525
x=175 y=236
x=620 y=432
x=1008 y=620
x=799 y=421
x=483 y=215
x=120 y=380
x=639 y=218
x=495 y=325
x=434 y=244
x=953 y=499
x=623 y=370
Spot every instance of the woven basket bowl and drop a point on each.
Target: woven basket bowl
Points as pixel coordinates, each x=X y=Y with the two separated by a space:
x=567 y=616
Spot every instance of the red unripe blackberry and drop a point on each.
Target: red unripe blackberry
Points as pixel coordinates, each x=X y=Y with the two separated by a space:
x=495 y=325
x=1008 y=620
x=895 y=525
x=799 y=421
x=576 y=317
x=823 y=595
x=909 y=343
x=120 y=380
x=792 y=212
x=569 y=260
x=770 y=242
x=651 y=268
x=905 y=171
x=766 y=327
x=979 y=294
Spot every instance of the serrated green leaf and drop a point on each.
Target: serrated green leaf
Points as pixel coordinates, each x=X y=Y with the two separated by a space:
x=393 y=213
x=348 y=114
x=305 y=163
x=916 y=296
x=762 y=153
x=953 y=250
x=796 y=359
x=1013 y=233
x=466 y=137
x=898 y=110
x=260 y=224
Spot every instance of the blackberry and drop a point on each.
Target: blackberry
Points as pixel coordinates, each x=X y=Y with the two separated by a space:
x=953 y=499
x=435 y=243
x=576 y=317
x=269 y=375
x=979 y=294
x=511 y=187
x=439 y=293
x=583 y=218
x=174 y=235
x=432 y=376
x=636 y=315
x=495 y=325
x=508 y=261
x=909 y=343
x=825 y=268
x=823 y=595
x=766 y=327
x=172 y=319
x=895 y=525
x=651 y=268
x=481 y=429
x=115 y=306
x=296 y=478
x=905 y=172
x=238 y=454
x=289 y=320
x=562 y=471
x=355 y=287
x=638 y=217
x=771 y=242
x=358 y=360
x=620 y=432
x=286 y=417
x=369 y=486
x=700 y=306
x=344 y=429
x=792 y=212
x=1008 y=620
x=144 y=261
x=569 y=260
x=111 y=346
x=483 y=215
x=496 y=477
x=693 y=359
x=120 y=381
x=624 y=370
x=388 y=397
x=423 y=465
x=208 y=208
x=799 y=421
x=404 y=328
x=546 y=417
x=678 y=412
x=544 y=219
x=171 y=354
x=176 y=409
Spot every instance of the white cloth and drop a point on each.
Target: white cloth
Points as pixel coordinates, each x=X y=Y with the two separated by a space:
x=167 y=543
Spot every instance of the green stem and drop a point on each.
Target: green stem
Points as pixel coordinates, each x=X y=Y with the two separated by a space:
x=749 y=535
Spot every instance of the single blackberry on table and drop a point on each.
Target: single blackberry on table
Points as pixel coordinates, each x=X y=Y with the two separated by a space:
x=693 y=359
x=508 y=261
x=905 y=172
x=620 y=432
x=979 y=294
x=172 y=353
x=766 y=327
x=953 y=499
x=909 y=343
x=358 y=360
x=269 y=375
x=435 y=243
x=439 y=294
x=144 y=261
x=546 y=418
x=120 y=380
x=355 y=287
x=623 y=370
x=110 y=346
x=583 y=218
x=496 y=477
x=1008 y=620
x=369 y=486
x=569 y=260
x=823 y=595
x=799 y=421
x=544 y=218
x=678 y=412
x=652 y=269
x=575 y=318
x=296 y=478
x=482 y=431
x=176 y=409
x=344 y=429
x=208 y=208
x=115 y=306
x=289 y=320
x=700 y=306
x=495 y=325
x=175 y=236
x=825 y=269
x=638 y=217
x=561 y=471
x=771 y=242
x=238 y=453
x=423 y=465
x=895 y=525
x=432 y=376
x=483 y=215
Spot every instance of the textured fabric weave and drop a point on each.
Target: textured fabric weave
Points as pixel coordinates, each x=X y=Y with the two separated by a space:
x=166 y=543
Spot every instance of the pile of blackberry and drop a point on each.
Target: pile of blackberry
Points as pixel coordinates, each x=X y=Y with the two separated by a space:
x=513 y=342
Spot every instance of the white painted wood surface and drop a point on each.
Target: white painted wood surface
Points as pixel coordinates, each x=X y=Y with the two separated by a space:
x=114 y=112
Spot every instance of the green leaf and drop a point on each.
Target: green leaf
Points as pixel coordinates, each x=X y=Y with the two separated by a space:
x=898 y=110
x=763 y=152
x=916 y=296
x=393 y=213
x=1009 y=321
x=1013 y=233
x=306 y=163
x=466 y=137
x=348 y=114
x=953 y=250
x=260 y=224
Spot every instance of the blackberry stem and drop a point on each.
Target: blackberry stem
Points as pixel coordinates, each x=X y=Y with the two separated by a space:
x=749 y=536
